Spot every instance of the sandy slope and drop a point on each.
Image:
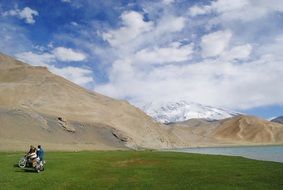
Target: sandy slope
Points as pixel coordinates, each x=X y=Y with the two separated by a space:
x=239 y=130
x=36 y=92
x=249 y=129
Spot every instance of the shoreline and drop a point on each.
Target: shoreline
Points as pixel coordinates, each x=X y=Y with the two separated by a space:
x=233 y=146
x=261 y=153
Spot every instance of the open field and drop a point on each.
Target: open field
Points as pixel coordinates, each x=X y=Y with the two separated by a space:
x=141 y=170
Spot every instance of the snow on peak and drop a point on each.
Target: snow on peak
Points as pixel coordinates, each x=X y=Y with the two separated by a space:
x=167 y=112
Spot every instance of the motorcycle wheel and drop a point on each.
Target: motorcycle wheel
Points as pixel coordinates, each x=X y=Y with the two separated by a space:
x=22 y=163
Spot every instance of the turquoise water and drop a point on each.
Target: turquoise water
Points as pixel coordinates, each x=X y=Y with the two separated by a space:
x=269 y=153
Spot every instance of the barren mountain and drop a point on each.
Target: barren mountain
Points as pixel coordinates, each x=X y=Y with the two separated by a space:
x=250 y=129
x=239 y=130
x=278 y=120
x=37 y=106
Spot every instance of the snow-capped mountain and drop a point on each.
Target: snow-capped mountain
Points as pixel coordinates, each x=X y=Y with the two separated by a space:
x=168 y=112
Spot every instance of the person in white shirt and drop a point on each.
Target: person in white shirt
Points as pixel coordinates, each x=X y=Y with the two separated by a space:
x=32 y=156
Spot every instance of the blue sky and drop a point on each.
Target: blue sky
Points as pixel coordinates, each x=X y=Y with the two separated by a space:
x=222 y=53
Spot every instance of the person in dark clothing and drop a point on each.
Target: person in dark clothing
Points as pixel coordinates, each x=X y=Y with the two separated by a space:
x=40 y=153
x=30 y=149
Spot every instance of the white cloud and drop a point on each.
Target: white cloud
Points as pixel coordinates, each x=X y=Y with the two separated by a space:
x=171 y=24
x=211 y=82
x=26 y=14
x=36 y=59
x=59 y=53
x=73 y=23
x=215 y=43
x=233 y=70
x=198 y=10
x=78 y=75
x=167 y=2
x=174 y=53
x=133 y=25
x=242 y=10
x=66 y=1
x=273 y=49
x=68 y=54
x=136 y=33
x=139 y=45
x=160 y=53
x=223 y=6
x=238 y=52
x=219 y=6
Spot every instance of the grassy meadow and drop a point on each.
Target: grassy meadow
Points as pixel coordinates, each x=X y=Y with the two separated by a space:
x=141 y=170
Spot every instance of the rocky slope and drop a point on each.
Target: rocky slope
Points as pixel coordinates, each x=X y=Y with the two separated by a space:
x=39 y=107
x=238 y=130
x=278 y=120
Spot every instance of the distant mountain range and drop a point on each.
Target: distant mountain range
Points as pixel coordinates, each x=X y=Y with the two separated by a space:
x=278 y=119
x=242 y=129
x=171 y=112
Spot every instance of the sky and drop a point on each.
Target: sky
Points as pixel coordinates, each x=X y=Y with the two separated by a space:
x=223 y=53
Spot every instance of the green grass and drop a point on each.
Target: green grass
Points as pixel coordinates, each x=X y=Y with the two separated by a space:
x=141 y=170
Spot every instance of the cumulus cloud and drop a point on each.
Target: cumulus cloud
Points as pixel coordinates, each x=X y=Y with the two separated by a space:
x=57 y=54
x=199 y=10
x=240 y=52
x=174 y=53
x=133 y=25
x=215 y=43
x=78 y=75
x=242 y=10
x=168 y=2
x=68 y=54
x=218 y=67
x=211 y=82
x=36 y=59
x=26 y=14
x=171 y=24
x=221 y=53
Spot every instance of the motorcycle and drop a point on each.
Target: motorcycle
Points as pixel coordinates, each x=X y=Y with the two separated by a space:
x=35 y=165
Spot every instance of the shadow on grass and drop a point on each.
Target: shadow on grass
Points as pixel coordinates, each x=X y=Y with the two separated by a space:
x=16 y=166
x=26 y=171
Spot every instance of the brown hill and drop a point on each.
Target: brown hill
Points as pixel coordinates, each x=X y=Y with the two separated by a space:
x=239 y=130
x=250 y=129
x=37 y=106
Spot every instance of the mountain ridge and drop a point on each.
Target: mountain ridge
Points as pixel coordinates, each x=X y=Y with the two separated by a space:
x=238 y=130
x=278 y=119
x=38 y=107
x=36 y=91
x=178 y=111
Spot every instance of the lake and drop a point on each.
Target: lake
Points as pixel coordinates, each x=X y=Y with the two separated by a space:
x=269 y=153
